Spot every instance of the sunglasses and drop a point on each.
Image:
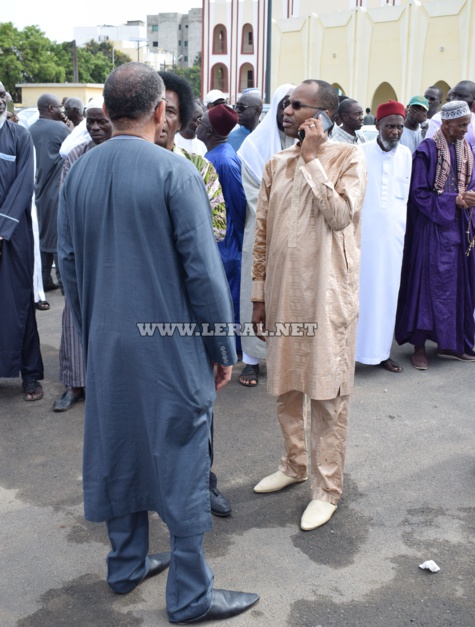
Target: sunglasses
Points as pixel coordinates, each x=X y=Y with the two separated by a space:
x=240 y=107
x=296 y=105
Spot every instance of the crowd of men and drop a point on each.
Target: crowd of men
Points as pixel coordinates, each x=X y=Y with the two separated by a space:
x=319 y=245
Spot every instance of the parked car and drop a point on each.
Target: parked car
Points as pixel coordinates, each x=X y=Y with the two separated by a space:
x=28 y=116
x=369 y=131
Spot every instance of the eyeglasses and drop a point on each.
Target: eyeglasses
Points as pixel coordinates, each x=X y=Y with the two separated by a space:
x=296 y=105
x=240 y=108
x=200 y=121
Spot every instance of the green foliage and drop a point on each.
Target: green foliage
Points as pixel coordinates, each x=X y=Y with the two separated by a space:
x=106 y=48
x=28 y=56
x=192 y=75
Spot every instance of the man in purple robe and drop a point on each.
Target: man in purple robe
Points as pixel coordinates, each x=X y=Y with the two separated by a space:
x=437 y=294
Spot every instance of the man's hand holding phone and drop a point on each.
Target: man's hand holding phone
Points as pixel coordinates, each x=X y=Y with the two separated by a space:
x=312 y=134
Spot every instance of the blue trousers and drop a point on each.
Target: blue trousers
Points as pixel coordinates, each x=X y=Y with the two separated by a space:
x=190 y=580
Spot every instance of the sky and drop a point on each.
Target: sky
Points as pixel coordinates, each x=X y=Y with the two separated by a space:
x=58 y=20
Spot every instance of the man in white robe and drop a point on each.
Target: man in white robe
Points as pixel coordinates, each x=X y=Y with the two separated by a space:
x=267 y=139
x=388 y=164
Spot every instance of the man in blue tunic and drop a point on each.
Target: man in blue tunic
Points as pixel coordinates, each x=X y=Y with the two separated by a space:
x=213 y=131
x=135 y=219
x=437 y=293
x=19 y=341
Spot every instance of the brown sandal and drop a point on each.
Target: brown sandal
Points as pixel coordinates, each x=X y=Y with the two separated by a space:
x=32 y=390
x=42 y=305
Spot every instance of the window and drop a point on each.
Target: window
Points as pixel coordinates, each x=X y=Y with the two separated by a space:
x=186 y=59
x=247 y=45
x=186 y=25
x=246 y=78
x=219 y=77
x=186 y=44
x=155 y=44
x=154 y=28
x=220 y=45
x=179 y=42
x=179 y=26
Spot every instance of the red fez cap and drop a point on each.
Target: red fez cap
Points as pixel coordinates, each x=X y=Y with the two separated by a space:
x=390 y=108
x=223 y=119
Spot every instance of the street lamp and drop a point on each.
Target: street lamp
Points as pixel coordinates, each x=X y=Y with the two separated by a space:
x=138 y=40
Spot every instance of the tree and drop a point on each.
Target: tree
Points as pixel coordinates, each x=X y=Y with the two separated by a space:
x=27 y=56
x=107 y=49
x=192 y=75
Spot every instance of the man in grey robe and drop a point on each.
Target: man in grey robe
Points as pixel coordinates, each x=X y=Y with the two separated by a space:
x=48 y=133
x=135 y=219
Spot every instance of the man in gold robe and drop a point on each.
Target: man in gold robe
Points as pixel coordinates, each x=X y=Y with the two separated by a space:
x=305 y=294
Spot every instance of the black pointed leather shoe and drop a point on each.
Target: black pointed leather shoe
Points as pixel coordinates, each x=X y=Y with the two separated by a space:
x=158 y=563
x=68 y=399
x=225 y=604
x=220 y=505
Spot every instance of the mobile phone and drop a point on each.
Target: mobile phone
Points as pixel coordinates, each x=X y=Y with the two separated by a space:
x=327 y=123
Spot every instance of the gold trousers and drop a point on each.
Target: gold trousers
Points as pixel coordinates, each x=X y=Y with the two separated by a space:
x=329 y=424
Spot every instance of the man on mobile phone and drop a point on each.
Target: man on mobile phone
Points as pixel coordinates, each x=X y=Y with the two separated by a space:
x=305 y=293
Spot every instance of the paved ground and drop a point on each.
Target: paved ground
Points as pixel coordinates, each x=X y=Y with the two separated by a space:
x=409 y=497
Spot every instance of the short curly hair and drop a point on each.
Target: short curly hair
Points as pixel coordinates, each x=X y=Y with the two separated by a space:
x=182 y=87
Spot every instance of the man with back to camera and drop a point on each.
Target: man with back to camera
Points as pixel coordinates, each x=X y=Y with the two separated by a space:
x=305 y=274
x=149 y=395
x=48 y=133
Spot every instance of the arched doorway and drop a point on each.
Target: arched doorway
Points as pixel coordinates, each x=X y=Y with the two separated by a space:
x=219 y=77
x=247 y=46
x=444 y=87
x=220 y=39
x=246 y=77
x=339 y=89
x=382 y=94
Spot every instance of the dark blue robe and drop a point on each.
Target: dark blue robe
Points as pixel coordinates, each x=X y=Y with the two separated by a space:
x=17 y=313
x=228 y=167
x=437 y=293
x=136 y=246
x=48 y=135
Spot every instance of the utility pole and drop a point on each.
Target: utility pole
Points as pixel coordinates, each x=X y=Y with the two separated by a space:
x=268 y=50
x=75 y=62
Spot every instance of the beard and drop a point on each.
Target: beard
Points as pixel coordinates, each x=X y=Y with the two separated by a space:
x=389 y=145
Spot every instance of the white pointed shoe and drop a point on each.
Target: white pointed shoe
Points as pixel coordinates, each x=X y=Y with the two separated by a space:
x=275 y=482
x=316 y=514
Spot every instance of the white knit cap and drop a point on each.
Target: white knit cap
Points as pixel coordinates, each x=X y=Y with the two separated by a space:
x=454 y=109
x=95 y=103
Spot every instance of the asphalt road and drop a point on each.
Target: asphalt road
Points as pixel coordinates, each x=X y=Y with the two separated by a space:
x=409 y=497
